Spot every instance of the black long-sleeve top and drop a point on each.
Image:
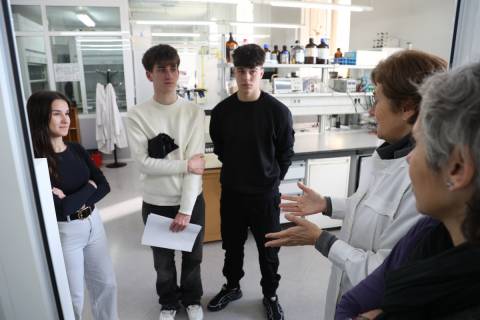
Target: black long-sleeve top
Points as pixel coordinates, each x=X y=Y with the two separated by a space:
x=75 y=168
x=254 y=141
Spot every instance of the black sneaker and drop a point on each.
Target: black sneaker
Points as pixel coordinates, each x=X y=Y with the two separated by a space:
x=224 y=297
x=273 y=308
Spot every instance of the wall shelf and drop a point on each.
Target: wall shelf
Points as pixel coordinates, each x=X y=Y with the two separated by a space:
x=318 y=66
x=322 y=94
x=315 y=66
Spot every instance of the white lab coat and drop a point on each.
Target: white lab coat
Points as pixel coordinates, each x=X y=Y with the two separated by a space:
x=110 y=130
x=375 y=217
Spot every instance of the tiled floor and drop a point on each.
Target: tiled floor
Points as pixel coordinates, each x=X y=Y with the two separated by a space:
x=304 y=271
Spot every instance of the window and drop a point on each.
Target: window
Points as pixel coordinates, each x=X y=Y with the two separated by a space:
x=83 y=18
x=33 y=64
x=27 y=18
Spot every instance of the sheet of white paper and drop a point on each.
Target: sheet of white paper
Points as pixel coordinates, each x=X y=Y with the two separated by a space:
x=157 y=234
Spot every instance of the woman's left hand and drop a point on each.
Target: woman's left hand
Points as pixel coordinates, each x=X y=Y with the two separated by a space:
x=93 y=183
x=59 y=193
x=370 y=315
x=304 y=233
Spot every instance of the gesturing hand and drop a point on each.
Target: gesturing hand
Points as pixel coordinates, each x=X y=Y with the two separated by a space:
x=308 y=203
x=196 y=164
x=59 y=193
x=304 y=233
x=180 y=222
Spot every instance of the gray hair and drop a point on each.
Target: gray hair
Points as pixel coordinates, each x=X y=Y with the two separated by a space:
x=450 y=116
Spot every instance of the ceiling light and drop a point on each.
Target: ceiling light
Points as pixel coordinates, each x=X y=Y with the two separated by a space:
x=209 y=1
x=91 y=33
x=258 y=36
x=317 y=5
x=105 y=45
x=86 y=19
x=186 y=23
x=267 y=25
x=216 y=1
x=104 y=49
x=175 y=34
x=101 y=40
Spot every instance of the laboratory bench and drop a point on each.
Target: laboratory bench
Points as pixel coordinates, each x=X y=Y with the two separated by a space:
x=329 y=162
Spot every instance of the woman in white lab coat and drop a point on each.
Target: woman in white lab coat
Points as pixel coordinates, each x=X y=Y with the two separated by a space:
x=382 y=209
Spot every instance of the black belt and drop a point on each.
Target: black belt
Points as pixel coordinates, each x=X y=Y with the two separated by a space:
x=81 y=214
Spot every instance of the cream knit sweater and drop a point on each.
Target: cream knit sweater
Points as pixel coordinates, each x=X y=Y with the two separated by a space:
x=166 y=182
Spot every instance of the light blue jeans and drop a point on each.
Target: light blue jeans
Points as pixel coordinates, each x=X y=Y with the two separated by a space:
x=87 y=261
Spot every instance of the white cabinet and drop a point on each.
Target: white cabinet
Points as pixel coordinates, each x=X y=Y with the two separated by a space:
x=329 y=177
x=288 y=186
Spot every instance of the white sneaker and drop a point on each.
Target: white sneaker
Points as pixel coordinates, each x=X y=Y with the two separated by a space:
x=195 y=312
x=167 y=315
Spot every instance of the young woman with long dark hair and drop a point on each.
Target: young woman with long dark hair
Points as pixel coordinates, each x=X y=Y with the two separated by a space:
x=76 y=186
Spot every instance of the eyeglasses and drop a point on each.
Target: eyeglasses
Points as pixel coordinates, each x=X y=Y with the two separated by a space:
x=251 y=71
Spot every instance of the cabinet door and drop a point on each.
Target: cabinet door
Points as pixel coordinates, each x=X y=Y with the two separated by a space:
x=74 y=130
x=288 y=186
x=211 y=192
x=329 y=177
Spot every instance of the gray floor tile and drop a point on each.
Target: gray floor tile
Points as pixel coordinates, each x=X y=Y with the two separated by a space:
x=304 y=271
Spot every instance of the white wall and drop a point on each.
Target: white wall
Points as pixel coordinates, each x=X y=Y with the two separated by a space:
x=282 y=36
x=427 y=24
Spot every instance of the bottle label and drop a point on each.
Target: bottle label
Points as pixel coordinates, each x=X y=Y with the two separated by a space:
x=284 y=58
x=299 y=56
x=323 y=53
x=268 y=56
x=311 y=52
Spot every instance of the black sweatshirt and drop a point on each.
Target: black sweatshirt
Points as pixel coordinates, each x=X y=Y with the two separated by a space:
x=254 y=141
x=75 y=168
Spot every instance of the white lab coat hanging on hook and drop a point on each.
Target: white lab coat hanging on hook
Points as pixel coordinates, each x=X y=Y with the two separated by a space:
x=110 y=129
x=101 y=132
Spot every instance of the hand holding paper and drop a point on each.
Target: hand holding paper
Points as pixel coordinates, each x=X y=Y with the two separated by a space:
x=157 y=234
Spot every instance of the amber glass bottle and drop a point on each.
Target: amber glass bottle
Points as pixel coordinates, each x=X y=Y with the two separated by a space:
x=311 y=52
x=230 y=45
x=338 y=53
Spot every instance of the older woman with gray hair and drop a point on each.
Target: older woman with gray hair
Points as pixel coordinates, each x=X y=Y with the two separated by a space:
x=434 y=271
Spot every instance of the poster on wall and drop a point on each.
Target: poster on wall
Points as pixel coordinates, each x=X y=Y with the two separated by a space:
x=66 y=72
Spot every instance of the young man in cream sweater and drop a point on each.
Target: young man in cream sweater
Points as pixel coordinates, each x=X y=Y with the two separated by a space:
x=172 y=182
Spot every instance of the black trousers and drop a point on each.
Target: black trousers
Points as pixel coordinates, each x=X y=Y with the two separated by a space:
x=260 y=213
x=190 y=290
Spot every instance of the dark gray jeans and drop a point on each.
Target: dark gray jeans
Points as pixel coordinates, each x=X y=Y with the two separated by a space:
x=190 y=290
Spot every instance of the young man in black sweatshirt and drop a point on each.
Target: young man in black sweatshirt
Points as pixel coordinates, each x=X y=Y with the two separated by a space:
x=253 y=138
